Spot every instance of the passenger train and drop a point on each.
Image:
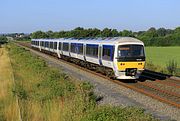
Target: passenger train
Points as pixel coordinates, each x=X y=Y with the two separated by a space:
x=117 y=57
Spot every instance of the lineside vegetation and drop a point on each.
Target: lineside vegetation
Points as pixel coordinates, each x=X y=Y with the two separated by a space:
x=164 y=59
x=46 y=94
x=8 y=103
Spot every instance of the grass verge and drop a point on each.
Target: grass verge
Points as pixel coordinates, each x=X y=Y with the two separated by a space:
x=8 y=104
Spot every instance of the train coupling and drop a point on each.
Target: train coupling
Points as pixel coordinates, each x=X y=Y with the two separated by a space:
x=131 y=71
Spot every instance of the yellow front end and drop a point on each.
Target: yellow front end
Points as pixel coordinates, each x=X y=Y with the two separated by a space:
x=122 y=66
x=130 y=70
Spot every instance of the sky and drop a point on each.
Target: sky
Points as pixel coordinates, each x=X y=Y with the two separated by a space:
x=56 y=15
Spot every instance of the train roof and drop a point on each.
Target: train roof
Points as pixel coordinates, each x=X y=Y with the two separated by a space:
x=110 y=40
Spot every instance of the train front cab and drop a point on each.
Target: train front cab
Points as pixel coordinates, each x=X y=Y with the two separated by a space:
x=130 y=61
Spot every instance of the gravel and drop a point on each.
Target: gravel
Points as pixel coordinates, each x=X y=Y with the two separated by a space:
x=114 y=94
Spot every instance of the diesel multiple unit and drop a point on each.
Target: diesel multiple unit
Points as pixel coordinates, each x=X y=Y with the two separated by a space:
x=119 y=57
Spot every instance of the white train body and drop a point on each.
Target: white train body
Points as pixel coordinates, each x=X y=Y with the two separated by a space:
x=124 y=55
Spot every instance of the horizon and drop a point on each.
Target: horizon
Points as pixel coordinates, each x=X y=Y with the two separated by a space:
x=57 y=15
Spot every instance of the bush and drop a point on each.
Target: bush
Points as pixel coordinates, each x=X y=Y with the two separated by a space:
x=171 y=67
x=3 y=40
x=108 y=113
x=150 y=65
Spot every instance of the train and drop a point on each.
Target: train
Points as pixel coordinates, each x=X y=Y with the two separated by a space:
x=116 y=57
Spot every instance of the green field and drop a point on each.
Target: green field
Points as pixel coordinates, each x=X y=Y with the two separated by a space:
x=161 y=55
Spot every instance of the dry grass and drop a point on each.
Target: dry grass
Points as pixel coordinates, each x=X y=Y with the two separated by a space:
x=9 y=108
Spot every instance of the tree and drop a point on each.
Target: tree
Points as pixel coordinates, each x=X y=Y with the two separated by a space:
x=115 y=33
x=106 y=32
x=50 y=34
x=79 y=29
x=151 y=33
x=177 y=30
x=93 y=32
x=126 y=33
x=38 y=35
x=161 y=32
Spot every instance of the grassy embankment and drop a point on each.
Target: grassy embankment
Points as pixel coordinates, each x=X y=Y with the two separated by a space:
x=8 y=103
x=160 y=57
x=46 y=94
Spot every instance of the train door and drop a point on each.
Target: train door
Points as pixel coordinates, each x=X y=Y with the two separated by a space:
x=100 y=55
x=59 y=49
x=40 y=45
x=84 y=51
x=76 y=50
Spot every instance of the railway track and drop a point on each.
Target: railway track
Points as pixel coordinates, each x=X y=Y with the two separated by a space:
x=148 y=88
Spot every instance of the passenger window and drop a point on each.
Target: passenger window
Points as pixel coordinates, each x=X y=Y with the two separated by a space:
x=73 y=47
x=80 y=48
x=108 y=52
x=55 y=45
x=59 y=45
x=47 y=44
x=42 y=43
x=92 y=50
x=51 y=45
x=65 y=46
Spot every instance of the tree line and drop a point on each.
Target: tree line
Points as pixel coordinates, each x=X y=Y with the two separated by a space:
x=151 y=37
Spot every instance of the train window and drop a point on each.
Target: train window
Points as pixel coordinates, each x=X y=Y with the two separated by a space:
x=65 y=46
x=108 y=52
x=51 y=45
x=80 y=48
x=37 y=43
x=59 y=45
x=43 y=43
x=130 y=51
x=47 y=44
x=55 y=45
x=73 y=47
x=92 y=50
